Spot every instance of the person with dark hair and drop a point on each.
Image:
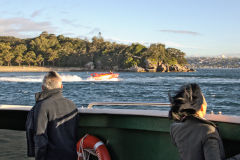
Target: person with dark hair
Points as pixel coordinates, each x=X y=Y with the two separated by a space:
x=195 y=137
x=51 y=126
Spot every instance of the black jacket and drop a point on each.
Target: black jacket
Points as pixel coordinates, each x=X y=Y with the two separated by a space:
x=51 y=127
x=198 y=139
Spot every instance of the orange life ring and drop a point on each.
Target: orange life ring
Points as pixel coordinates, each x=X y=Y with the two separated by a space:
x=91 y=142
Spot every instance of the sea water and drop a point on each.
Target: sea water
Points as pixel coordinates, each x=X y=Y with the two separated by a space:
x=221 y=88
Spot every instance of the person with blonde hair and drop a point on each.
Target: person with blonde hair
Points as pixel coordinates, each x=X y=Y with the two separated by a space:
x=51 y=125
x=195 y=137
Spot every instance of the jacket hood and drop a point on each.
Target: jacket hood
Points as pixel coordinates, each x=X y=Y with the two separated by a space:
x=47 y=93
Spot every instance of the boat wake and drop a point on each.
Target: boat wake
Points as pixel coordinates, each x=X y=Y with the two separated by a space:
x=21 y=79
x=71 y=78
x=38 y=79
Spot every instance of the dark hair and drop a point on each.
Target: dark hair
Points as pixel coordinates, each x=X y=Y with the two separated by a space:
x=187 y=101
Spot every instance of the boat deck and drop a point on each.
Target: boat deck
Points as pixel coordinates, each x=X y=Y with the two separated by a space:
x=129 y=134
x=13 y=145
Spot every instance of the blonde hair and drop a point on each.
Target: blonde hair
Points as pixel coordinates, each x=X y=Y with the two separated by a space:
x=52 y=80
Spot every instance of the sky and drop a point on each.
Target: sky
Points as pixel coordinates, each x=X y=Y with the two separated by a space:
x=196 y=27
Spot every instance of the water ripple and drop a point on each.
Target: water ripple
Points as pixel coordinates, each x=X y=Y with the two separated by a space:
x=220 y=86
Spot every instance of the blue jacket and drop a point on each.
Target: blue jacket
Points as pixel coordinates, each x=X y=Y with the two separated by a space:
x=51 y=127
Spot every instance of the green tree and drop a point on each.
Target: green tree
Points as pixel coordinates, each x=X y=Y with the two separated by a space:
x=19 y=59
x=176 y=54
x=30 y=57
x=39 y=59
x=18 y=52
x=1 y=60
x=6 y=54
x=52 y=55
x=47 y=45
x=8 y=57
x=134 y=55
x=157 y=52
x=1 y=54
x=65 y=51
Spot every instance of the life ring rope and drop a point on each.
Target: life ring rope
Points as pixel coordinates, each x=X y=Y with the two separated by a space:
x=80 y=150
x=89 y=142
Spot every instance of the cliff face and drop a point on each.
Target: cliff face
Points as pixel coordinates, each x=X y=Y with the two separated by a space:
x=149 y=66
x=161 y=67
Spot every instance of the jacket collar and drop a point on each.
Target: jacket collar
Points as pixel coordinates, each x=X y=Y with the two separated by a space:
x=47 y=93
x=201 y=120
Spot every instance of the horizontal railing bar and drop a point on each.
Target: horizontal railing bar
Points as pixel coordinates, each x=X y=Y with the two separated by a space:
x=126 y=104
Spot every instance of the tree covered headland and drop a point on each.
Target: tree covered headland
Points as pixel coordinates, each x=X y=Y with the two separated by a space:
x=59 y=51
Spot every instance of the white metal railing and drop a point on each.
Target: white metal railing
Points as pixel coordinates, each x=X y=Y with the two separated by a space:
x=213 y=117
x=14 y=107
x=127 y=104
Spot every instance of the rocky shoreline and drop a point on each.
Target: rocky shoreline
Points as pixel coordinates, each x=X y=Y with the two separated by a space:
x=161 y=68
x=150 y=68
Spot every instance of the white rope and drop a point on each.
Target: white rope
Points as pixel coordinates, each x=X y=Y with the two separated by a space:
x=80 y=150
x=85 y=154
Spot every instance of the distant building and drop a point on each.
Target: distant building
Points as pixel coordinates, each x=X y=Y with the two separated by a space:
x=214 y=62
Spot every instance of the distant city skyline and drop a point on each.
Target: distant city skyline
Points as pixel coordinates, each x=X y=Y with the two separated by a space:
x=198 y=28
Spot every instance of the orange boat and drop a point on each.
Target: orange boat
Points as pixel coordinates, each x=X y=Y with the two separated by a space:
x=104 y=76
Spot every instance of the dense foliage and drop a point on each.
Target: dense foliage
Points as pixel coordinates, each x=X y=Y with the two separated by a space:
x=51 y=50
